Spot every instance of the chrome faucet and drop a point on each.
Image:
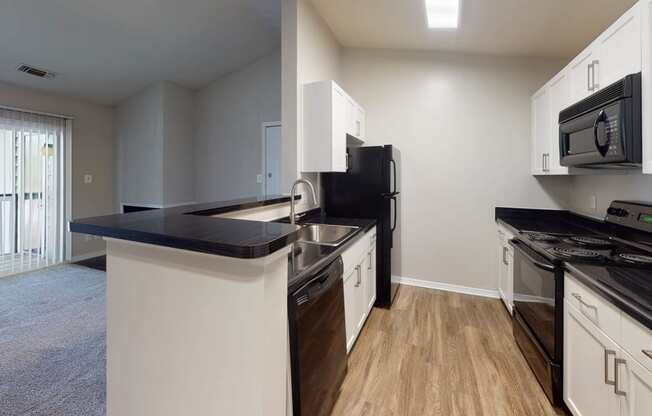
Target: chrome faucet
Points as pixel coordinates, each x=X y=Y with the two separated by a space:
x=293 y=194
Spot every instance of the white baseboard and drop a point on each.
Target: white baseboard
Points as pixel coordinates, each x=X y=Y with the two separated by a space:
x=87 y=256
x=494 y=294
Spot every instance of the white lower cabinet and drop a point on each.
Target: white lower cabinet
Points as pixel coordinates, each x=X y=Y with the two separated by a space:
x=359 y=285
x=636 y=387
x=505 y=268
x=601 y=376
x=589 y=358
x=352 y=310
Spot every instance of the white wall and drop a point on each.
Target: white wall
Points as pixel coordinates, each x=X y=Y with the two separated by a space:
x=154 y=131
x=139 y=132
x=606 y=188
x=92 y=153
x=178 y=148
x=228 y=139
x=461 y=123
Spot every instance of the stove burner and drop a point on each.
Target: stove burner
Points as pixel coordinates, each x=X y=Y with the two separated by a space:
x=575 y=252
x=590 y=241
x=542 y=237
x=636 y=258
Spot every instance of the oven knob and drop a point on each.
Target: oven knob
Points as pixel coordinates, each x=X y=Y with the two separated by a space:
x=617 y=212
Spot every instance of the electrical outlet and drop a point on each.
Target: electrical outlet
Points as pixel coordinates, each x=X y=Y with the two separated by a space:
x=88 y=178
x=594 y=203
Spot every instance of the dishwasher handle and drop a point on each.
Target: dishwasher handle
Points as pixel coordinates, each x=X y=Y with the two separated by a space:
x=321 y=283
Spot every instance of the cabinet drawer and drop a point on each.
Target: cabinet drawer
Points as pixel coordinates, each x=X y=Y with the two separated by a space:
x=636 y=339
x=598 y=310
x=351 y=257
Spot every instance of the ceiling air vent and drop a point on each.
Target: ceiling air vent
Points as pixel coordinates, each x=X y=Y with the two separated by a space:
x=41 y=73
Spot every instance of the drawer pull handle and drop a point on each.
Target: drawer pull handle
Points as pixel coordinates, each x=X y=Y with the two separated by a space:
x=617 y=390
x=607 y=353
x=580 y=300
x=647 y=352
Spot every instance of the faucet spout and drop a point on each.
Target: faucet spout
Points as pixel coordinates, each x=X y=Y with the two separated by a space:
x=293 y=192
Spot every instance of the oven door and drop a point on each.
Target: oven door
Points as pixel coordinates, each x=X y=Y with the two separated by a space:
x=594 y=138
x=535 y=297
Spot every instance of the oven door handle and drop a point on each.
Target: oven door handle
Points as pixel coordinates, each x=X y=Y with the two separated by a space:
x=543 y=266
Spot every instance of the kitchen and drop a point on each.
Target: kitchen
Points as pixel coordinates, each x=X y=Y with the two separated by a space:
x=455 y=230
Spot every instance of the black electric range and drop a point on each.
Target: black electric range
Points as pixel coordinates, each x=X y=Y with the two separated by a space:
x=613 y=257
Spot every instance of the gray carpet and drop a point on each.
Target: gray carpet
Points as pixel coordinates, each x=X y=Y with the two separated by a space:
x=53 y=343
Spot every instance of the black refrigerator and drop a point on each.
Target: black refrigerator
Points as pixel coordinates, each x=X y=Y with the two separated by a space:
x=369 y=189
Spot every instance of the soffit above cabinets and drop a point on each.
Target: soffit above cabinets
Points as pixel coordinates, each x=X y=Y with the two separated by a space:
x=550 y=28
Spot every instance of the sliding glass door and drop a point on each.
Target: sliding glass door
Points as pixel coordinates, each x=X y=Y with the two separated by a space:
x=31 y=190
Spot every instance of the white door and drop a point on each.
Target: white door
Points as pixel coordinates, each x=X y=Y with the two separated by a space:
x=589 y=362
x=635 y=387
x=540 y=130
x=273 y=159
x=581 y=76
x=560 y=99
x=619 y=49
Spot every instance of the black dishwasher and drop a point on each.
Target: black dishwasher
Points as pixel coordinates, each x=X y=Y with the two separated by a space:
x=318 y=342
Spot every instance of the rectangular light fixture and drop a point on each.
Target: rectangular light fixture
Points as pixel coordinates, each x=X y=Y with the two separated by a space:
x=443 y=14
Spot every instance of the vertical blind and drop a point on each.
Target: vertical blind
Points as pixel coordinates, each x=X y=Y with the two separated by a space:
x=31 y=185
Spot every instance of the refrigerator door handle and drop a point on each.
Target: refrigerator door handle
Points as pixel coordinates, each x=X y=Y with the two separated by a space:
x=395 y=213
x=393 y=162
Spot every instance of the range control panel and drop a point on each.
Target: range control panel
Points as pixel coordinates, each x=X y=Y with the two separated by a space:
x=631 y=214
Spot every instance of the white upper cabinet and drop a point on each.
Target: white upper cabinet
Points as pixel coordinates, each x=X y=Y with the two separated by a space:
x=560 y=98
x=546 y=105
x=581 y=77
x=623 y=49
x=645 y=7
x=541 y=130
x=331 y=121
x=618 y=50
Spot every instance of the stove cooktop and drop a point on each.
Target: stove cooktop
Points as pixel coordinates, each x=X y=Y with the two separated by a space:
x=590 y=249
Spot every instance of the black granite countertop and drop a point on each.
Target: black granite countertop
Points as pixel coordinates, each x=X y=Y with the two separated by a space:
x=191 y=227
x=629 y=289
x=306 y=260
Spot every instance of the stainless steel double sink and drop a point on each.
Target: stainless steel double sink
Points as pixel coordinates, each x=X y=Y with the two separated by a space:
x=325 y=234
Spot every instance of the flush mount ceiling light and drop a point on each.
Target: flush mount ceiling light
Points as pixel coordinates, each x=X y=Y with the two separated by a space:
x=443 y=14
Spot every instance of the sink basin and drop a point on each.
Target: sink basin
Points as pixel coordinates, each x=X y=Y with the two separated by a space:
x=328 y=235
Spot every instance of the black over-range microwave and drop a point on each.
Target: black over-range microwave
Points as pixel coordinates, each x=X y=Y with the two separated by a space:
x=604 y=129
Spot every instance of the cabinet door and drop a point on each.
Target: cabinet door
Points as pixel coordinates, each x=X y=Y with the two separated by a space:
x=340 y=119
x=509 y=280
x=540 y=130
x=635 y=387
x=351 y=307
x=581 y=76
x=560 y=98
x=362 y=289
x=589 y=362
x=618 y=49
x=370 y=279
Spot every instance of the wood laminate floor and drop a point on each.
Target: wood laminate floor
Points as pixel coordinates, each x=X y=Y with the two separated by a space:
x=440 y=354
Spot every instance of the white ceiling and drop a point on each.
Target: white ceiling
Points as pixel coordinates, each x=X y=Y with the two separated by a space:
x=107 y=50
x=541 y=28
